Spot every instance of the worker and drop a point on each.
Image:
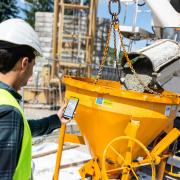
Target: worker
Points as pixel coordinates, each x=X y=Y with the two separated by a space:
x=19 y=46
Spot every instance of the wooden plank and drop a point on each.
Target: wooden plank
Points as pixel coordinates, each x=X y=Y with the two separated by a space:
x=76 y=36
x=72 y=65
x=72 y=50
x=60 y=35
x=55 y=31
x=38 y=155
x=74 y=6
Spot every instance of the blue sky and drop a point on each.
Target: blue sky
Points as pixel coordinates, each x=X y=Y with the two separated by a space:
x=143 y=20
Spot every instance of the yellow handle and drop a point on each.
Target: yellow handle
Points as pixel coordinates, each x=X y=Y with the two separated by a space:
x=59 y=152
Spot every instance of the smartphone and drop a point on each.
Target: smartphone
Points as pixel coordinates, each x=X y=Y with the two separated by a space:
x=71 y=107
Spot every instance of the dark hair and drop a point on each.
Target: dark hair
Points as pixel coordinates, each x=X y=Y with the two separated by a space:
x=10 y=56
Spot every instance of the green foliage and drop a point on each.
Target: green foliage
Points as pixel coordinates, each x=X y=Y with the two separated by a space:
x=35 y=6
x=111 y=56
x=44 y=6
x=120 y=56
x=8 y=9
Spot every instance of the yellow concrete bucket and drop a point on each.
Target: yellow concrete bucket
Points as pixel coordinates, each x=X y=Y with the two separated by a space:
x=105 y=110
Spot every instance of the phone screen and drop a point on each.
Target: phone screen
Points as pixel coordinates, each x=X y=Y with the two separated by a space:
x=71 y=107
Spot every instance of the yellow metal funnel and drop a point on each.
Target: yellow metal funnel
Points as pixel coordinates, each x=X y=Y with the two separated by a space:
x=104 y=112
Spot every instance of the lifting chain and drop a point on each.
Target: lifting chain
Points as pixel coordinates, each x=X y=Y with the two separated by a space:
x=119 y=7
x=104 y=55
x=115 y=25
x=113 y=14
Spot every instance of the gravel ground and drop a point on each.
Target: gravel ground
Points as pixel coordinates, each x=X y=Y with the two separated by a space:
x=37 y=113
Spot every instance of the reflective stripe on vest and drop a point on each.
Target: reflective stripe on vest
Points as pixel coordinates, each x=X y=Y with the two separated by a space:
x=23 y=169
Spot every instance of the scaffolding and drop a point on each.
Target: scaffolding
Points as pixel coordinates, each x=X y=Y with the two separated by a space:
x=73 y=34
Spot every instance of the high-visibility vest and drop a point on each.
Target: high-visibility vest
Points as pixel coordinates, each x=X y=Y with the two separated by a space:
x=23 y=168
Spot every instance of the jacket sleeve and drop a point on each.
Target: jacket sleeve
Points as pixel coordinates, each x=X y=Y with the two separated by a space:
x=11 y=133
x=44 y=126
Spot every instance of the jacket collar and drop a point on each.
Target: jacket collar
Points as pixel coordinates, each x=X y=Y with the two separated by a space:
x=11 y=90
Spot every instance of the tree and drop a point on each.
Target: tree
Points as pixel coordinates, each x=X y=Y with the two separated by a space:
x=35 y=6
x=8 y=9
x=43 y=6
x=111 y=56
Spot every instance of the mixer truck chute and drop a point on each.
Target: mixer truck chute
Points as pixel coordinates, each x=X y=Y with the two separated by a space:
x=161 y=59
x=166 y=18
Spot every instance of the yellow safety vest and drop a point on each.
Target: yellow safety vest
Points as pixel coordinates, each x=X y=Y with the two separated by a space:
x=23 y=169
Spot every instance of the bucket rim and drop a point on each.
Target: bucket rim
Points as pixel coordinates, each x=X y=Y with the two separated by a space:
x=88 y=85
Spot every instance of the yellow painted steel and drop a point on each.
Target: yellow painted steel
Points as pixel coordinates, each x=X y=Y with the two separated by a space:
x=59 y=151
x=122 y=164
x=74 y=139
x=92 y=168
x=105 y=110
x=168 y=139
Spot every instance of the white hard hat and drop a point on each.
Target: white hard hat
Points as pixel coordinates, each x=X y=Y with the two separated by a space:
x=19 y=32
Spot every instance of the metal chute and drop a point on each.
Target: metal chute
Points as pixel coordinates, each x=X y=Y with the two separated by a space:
x=161 y=59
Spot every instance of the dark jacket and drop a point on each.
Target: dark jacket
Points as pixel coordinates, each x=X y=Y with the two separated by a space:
x=11 y=133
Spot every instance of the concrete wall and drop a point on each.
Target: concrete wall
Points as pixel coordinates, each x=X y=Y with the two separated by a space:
x=44 y=29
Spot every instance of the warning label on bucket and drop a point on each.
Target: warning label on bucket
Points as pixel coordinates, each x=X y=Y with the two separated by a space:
x=103 y=101
x=107 y=102
x=168 y=110
x=99 y=100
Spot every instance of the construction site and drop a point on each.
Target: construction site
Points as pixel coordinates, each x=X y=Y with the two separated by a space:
x=127 y=122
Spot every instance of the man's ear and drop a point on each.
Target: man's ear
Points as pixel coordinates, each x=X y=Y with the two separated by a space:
x=24 y=63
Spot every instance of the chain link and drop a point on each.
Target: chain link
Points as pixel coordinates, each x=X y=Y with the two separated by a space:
x=104 y=55
x=119 y=7
x=115 y=25
x=115 y=48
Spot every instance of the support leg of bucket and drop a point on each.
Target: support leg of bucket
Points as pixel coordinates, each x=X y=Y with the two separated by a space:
x=161 y=169
x=59 y=152
x=125 y=175
x=131 y=131
x=165 y=142
x=91 y=168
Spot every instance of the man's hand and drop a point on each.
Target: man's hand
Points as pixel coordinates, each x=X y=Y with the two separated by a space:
x=60 y=114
